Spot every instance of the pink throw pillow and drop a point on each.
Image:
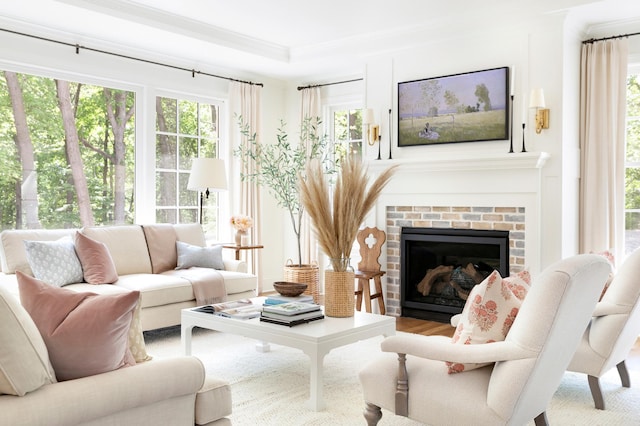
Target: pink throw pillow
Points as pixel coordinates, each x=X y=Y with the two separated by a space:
x=97 y=263
x=85 y=333
x=489 y=312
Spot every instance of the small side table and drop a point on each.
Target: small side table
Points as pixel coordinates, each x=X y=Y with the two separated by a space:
x=238 y=248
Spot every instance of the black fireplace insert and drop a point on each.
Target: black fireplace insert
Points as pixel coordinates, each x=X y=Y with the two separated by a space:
x=440 y=266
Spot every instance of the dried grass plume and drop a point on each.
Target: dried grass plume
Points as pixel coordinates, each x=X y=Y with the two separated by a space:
x=336 y=224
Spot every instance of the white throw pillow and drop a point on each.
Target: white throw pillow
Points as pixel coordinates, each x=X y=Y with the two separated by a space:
x=54 y=262
x=204 y=257
x=24 y=360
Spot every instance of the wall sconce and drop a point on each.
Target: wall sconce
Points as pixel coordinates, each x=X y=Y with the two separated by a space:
x=536 y=100
x=373 y=130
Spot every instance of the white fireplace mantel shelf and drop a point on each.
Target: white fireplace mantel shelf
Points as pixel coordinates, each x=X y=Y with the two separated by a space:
x=467 y=161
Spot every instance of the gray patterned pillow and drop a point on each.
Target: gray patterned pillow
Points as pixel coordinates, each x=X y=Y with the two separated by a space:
x=204 y=257
x=54 y=262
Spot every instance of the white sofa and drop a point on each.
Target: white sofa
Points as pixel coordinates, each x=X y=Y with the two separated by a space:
x=137 y=258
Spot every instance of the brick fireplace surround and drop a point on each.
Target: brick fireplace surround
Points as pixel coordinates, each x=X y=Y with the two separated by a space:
x=510 y=219
x=464 y=189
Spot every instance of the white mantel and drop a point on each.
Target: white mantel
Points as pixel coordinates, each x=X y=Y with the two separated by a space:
x=467 y=161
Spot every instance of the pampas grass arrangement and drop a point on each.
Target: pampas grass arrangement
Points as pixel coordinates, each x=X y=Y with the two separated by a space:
x=336 y=224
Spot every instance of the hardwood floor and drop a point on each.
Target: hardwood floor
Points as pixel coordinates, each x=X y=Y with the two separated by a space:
x=418 y=326
x=427 y=328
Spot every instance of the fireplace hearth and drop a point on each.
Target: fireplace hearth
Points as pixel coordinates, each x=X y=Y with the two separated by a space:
x=440 y=266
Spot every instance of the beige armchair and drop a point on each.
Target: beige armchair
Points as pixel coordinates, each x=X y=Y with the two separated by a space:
x=613 y=330
x=410 y=378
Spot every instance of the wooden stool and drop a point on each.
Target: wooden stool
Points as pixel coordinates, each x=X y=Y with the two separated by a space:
x=370 y=241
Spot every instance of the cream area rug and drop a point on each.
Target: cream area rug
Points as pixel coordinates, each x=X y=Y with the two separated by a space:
x=272 y=388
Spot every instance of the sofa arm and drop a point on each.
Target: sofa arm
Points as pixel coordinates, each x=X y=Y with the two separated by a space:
x=233 y=265
x=82 y=400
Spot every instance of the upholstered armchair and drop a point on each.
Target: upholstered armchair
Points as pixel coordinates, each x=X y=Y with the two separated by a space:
x=411 y=379
x=612 y=331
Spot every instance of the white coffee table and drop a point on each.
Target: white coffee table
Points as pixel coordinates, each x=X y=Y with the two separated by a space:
x=316 y=339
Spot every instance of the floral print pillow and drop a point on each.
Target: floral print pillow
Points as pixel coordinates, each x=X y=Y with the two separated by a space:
x=489 y=312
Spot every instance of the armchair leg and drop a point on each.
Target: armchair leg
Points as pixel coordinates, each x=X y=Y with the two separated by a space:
x=372 y=414
x=624 y=374
x=596 y=392
x=541 y=419
x=402 y=387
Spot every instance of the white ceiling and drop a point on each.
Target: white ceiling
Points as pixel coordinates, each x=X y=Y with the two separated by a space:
x=288 y=39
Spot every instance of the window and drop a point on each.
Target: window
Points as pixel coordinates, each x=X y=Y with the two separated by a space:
x=184 y=130
x=66 y=153
x=346 y=131
x=632 y=164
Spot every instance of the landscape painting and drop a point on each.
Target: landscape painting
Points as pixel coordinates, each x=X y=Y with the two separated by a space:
x=464 y=107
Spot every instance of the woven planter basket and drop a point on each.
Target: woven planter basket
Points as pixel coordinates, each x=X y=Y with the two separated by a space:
x=307 y=274
x=339 y=294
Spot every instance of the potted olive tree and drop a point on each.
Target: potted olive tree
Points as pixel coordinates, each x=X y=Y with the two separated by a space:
x=278 y=166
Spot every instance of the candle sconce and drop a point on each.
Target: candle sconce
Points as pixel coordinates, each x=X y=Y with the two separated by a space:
x=536 y=101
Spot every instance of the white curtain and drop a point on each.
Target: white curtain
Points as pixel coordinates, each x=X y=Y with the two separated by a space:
x=602 y=145
x=244 y=101
x=311 y=108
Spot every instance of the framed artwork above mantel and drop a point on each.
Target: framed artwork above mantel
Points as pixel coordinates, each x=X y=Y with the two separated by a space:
x=465 y=107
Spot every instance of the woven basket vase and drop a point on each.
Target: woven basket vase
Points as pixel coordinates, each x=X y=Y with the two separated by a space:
x=339 y=293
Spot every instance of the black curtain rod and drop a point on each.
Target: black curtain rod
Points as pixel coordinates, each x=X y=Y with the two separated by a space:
x=133 y=58
x=593 y=40
x=328 y=84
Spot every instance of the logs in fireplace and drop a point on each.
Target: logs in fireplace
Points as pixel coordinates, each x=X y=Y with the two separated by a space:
x=440 y=266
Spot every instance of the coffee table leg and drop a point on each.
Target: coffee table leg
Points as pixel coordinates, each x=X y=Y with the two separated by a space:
x=185 y=337
x=263 y=346
x=316 y=400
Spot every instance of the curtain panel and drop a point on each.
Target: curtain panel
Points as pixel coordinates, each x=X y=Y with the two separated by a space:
x=244 y=101
x=602 y=145
x=311 y=108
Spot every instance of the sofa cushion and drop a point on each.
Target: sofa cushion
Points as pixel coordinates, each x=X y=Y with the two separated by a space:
x=85 y=333
x=190 y=233
x=12 y=250
x=96 y=261
x=54 y=262
x=24 y=361
x=161 y=242
x=127 y=245
x=489 y=312
x=158 y=289
x=203 y=257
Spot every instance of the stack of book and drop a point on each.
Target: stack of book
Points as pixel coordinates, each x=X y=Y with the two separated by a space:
x=278 y=299
x=291 y=313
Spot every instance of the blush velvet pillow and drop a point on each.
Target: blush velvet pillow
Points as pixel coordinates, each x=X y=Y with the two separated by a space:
x=85 y=333
x=489 y=312
x=97 y=263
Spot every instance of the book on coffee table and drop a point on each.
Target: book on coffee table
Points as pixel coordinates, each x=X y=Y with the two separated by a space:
x=291 y=308
x=281 y=317
x=278 y=299
x=294 y=320
x=239 y=309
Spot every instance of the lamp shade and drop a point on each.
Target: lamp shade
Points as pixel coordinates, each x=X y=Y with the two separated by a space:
x=536 y=99
x=207 y=174
x=367 y=117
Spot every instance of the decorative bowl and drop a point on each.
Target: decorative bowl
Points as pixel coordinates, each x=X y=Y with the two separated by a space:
x=289 y=289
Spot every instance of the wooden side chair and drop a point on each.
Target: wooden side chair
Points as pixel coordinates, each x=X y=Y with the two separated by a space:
x=370 y=241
